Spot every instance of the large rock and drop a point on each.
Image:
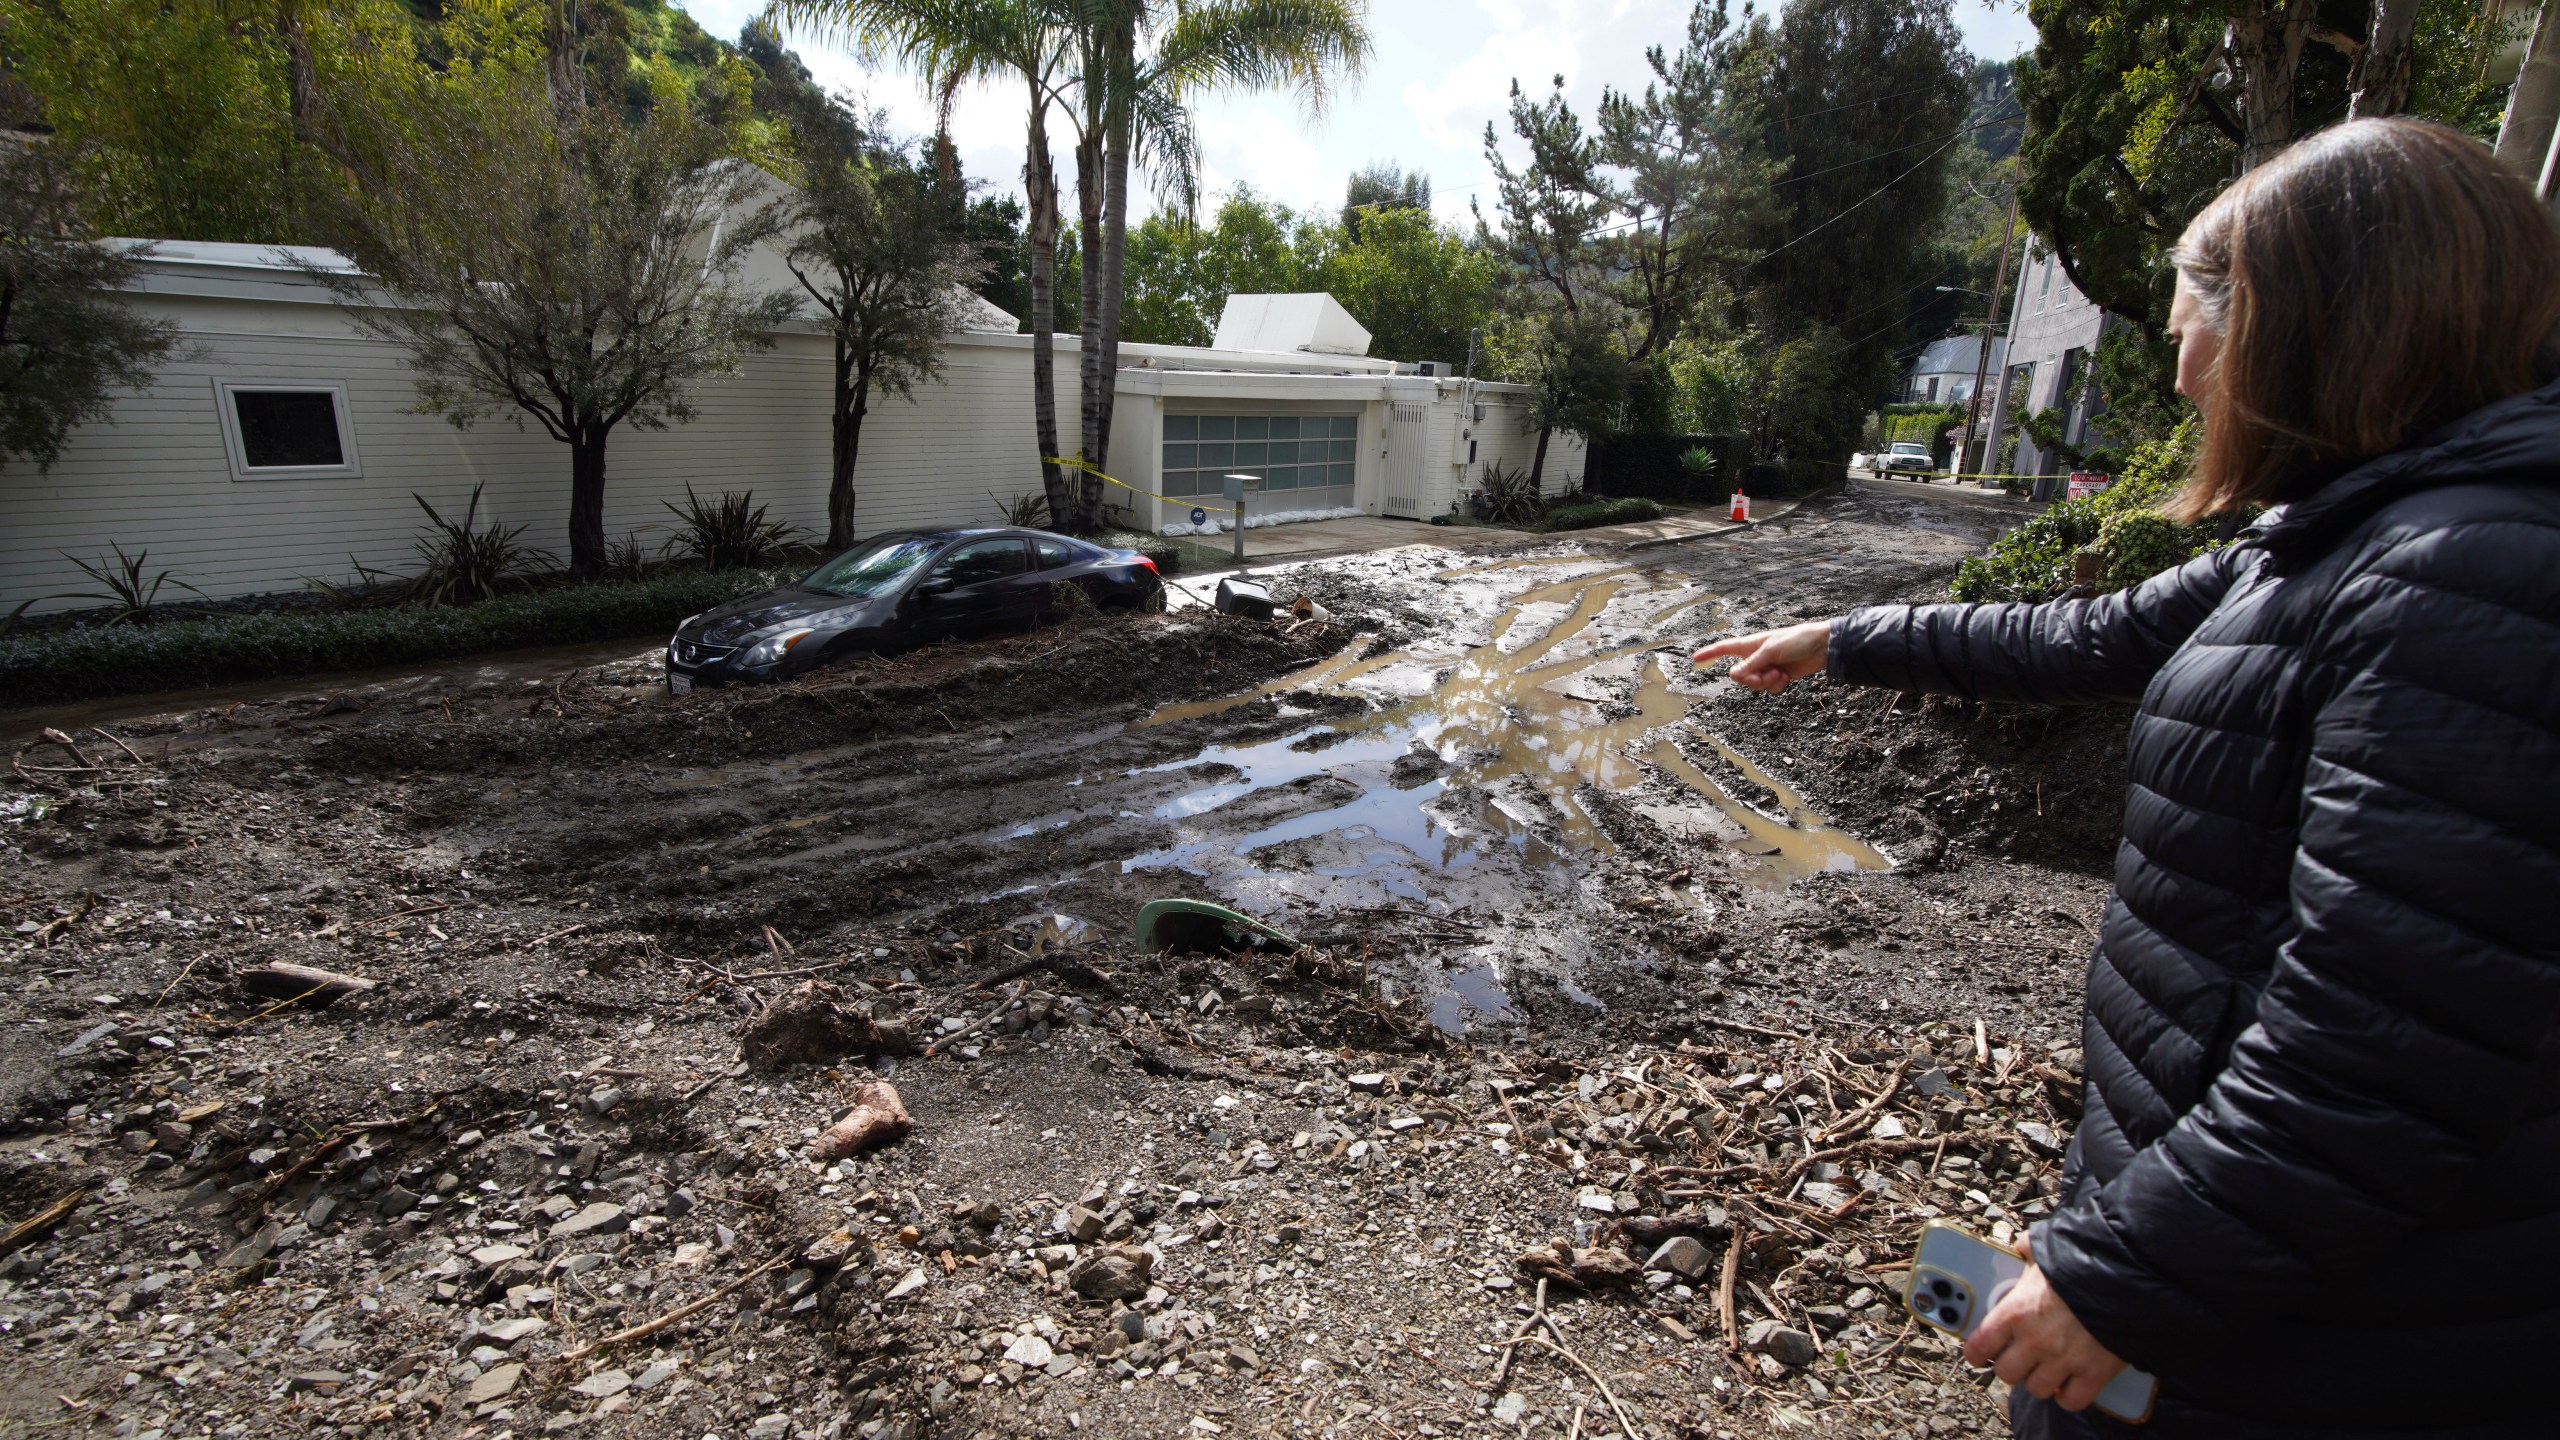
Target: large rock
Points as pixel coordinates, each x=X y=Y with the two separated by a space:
x=1783 y=1343
x=1114 y=1273
x=1683 y=1256
x=815 y=1023
x=597 y=1219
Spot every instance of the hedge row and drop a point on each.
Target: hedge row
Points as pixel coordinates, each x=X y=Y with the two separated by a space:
x=1600 y=512
x=82 y=664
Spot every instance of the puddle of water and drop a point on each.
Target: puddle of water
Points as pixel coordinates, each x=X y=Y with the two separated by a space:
x=1806 y=844
x=1568 y=691
x=1340 y=666
x=1474 y=994
x=789 y=767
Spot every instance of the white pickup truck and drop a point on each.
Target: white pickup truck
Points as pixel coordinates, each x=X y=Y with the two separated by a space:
x=1906 y=455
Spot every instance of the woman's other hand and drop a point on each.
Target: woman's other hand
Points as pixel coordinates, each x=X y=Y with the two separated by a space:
x=2034 y=1341
x=1773 y=657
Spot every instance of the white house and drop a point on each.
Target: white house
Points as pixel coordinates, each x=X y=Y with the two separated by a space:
x=1943 y=373
x=283 y=443
x=2053 y=330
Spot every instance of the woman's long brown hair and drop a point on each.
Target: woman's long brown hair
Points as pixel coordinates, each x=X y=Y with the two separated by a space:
x=2371 y=284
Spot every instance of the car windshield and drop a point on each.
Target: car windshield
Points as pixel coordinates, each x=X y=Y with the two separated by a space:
x=1910 y=449
x=866 y=570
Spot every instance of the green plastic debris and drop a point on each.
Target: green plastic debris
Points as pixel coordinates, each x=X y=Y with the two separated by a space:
x=1197 y=925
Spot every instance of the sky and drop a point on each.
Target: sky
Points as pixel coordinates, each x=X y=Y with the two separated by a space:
x=1440 y=71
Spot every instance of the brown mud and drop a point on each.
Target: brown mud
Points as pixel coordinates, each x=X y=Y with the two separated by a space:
x=1534 y=855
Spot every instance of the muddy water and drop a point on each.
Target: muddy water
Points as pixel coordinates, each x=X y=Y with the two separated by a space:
x=1462 y=785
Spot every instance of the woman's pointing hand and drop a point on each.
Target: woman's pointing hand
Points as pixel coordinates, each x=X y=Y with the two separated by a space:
x=1773 y=657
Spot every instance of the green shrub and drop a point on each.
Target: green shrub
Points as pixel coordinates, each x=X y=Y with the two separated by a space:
x=462 y=562
x=2033 y=562
x=1166 y=551
x=78 y=664
x=1509 y=497
x=732 y=533
x=1600 y=512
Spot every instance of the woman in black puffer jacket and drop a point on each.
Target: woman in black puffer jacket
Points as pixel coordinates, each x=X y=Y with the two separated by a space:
x=2317 y=1189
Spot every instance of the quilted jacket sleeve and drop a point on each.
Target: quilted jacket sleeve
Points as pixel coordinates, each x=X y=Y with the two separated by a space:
x=2060 y=653
x=2397 y=1082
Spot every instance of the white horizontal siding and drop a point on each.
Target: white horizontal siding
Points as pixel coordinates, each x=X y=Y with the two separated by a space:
x=154 y=477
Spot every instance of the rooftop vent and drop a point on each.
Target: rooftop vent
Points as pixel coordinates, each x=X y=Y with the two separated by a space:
x=1313 y=323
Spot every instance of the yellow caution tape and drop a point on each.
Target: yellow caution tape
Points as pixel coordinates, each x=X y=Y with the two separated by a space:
x=1937 y=475
x=1125 y=485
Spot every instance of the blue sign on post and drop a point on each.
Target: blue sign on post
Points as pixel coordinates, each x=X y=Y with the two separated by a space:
x=1199 y=516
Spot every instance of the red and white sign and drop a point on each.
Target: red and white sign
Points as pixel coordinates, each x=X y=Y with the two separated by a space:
x=2089 y=482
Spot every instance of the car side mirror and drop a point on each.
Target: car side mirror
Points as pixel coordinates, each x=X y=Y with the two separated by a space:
x=936 y=585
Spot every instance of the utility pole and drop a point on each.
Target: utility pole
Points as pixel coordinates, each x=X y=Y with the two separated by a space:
x=1990 y=319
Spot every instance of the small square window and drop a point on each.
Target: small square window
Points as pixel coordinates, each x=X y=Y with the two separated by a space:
x=1284 y=452
x=285 y=431
x=1342 y=449
x=1217 y=427
x=1179 y=457
x=1342 y=474
x=288 y=429
x=1253 y=427
x=1217 y=457
x=1250 y=454
x=1346 y=426
x=1285 y=427
x=1182 y=427
x=1280 y=477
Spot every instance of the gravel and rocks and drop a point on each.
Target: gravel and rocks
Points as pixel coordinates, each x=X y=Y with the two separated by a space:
x=563 y=1168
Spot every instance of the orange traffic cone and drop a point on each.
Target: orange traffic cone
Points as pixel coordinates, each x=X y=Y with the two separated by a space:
x=1741 y=508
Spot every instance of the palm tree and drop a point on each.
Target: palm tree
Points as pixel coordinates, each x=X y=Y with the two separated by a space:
x=1141 y=64
x=951 y=43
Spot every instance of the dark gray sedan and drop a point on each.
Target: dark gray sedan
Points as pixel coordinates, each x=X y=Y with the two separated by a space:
x=900 y=590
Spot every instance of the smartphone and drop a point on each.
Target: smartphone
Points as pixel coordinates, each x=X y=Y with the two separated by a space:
x=1958 y=1278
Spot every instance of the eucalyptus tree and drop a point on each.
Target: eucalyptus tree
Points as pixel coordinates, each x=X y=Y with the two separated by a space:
x=880 y=245
x=561 y=261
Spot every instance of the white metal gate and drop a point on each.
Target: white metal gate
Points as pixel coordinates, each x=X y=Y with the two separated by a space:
x=1407 y=445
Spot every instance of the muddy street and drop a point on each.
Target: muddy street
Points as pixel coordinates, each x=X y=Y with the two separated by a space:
x=1593 y=951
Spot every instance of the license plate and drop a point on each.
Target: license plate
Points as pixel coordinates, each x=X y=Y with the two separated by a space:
x=679 y=684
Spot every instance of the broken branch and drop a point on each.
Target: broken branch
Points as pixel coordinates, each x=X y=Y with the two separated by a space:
x=643 y=1331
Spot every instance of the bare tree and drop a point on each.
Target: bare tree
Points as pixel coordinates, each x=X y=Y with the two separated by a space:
x=879 y=244
x=66 y=342
x=558 y=260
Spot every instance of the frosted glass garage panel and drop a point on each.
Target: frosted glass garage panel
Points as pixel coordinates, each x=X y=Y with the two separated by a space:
x=1306 y=462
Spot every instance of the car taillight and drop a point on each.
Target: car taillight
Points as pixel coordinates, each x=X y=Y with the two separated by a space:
x=1150 y=564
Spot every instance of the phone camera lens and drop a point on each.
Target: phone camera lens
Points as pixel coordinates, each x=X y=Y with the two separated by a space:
x=1950 y=1315
x=1941 y=1289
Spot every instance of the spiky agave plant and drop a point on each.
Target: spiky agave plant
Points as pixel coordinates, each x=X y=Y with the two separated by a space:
x=126 y=583
x=463 y=562
x=732 y=532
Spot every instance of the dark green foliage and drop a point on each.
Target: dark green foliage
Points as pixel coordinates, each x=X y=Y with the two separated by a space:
x=1028 y=511
x=2033 y=562
x=66 y=344
x=56 y=665
x=1866 y=98
x=1379 y=188
x=1600 y=512
x=1927 y=424
x=1510 y=496
x=464 y=562
x=731 y=533
x=127 y=584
